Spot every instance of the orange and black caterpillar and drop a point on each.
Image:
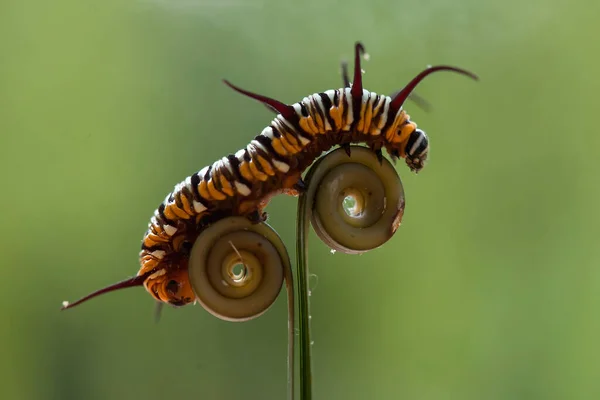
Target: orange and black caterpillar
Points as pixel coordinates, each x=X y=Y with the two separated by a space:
x=273 y=163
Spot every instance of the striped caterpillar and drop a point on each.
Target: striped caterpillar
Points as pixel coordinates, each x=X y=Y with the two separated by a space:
x=242 y=184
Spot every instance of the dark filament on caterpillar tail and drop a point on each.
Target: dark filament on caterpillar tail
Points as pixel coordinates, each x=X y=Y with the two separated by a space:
x=127 y=283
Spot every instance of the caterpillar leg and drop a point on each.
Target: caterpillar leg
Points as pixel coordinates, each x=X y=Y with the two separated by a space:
x=379 y=155
x=257 y=216
x=346 y=148
x=300 y=186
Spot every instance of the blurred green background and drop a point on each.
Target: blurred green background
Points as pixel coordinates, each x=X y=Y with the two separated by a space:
x=490 y=289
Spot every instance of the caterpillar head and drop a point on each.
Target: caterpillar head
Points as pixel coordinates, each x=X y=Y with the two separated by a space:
x=416 y=150
x=409 y=143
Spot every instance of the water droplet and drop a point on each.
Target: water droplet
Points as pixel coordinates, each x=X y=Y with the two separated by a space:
x=313 y=281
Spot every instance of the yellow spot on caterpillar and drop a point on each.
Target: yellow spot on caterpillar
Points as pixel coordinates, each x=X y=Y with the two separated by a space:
x=213 y=190
x=391 y=133
x=306 y=125
x=154 y=226
x=311 y=124
x=187 y=207
x=148 y=242
x=368 y=116
x=245 y=171
x=377 y=107
x=379 y=115
x=291 y=139
x=266 y=166
x=148 y=264
x=336 y=115
x=278 y=147
x=258 y=174
x=157 y=239
x=288 y=146
x=177 y=211
x=287 y=138
x=169 y=213
x=364 y=105
x=319 y=124
x=203 y=190
x=226 y=186
x=407 y=129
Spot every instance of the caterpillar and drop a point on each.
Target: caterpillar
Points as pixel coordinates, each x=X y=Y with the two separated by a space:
x=272 y=163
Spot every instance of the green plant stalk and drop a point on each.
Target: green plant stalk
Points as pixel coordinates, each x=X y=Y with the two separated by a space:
x=304 y=339
x=289 y=286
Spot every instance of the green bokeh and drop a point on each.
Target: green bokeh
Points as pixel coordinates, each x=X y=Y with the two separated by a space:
x=490 y=289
